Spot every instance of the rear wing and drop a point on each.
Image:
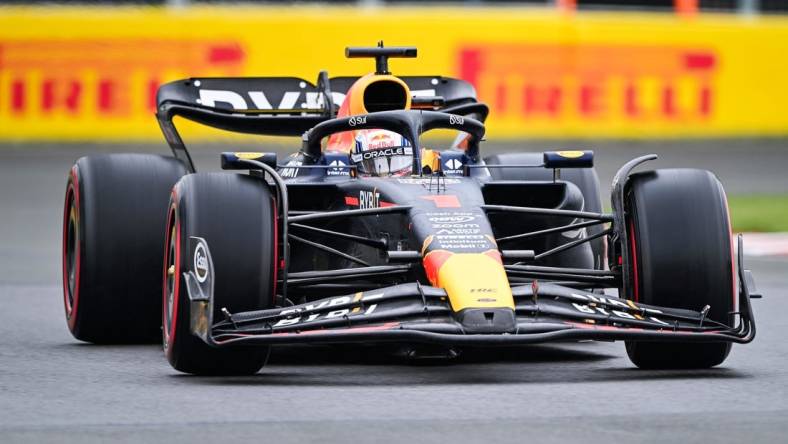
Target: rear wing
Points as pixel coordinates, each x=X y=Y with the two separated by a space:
x=285 y=106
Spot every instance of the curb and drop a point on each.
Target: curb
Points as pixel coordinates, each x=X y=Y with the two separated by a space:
x=765 y=244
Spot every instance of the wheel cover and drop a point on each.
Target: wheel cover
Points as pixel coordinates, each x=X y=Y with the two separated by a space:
x=171 y=278
x=71 y=254
x=71 y=251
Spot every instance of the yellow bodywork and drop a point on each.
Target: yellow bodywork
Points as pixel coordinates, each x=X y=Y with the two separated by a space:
x=356 y=96
x=475 y=280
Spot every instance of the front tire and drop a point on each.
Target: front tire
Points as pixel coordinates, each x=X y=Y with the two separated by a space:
x=236 y=215
x=115 y=206
x=680 y=243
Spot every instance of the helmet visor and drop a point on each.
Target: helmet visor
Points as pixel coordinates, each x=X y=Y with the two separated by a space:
x=388 y=161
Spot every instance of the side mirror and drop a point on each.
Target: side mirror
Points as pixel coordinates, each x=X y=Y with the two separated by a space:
x=568 y=159
x=235 y=161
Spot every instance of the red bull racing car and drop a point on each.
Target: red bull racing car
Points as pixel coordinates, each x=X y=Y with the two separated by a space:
x=366 y=235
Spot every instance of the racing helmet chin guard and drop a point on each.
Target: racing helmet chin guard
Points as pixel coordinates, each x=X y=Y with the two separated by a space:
x=382 y=153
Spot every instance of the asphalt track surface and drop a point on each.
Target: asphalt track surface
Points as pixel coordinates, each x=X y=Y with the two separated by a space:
x=56 y=389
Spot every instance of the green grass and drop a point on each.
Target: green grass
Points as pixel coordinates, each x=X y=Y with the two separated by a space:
x=759 y=212
x=755 y=213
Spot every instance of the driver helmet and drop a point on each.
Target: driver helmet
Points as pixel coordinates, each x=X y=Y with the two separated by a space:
x=382 y=153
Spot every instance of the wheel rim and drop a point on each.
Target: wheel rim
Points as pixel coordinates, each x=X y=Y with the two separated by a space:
x=71 y=252
x=171 y=278
x=170 y=275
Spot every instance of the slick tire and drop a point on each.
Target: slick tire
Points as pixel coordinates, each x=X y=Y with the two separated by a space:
x=236 y=215
x=585 y=179
x=680 y=243
x=114 y=211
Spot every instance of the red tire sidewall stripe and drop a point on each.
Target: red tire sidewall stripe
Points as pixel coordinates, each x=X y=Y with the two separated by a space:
x=72 y=308
x=276 y=249
x=730 y=240
x=170 y=328
x=633 y=251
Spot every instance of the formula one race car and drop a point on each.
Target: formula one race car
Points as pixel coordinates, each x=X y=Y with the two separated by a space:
x=367 y=236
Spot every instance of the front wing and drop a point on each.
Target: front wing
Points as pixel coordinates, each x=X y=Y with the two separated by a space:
x=414 y=313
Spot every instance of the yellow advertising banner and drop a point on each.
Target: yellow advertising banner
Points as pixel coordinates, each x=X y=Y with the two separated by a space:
x=91 y=73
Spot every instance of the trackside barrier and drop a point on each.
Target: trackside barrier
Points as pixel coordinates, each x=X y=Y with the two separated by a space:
x=76 y=73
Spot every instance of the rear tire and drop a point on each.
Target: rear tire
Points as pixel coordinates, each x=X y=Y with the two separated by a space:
x=236 y=216
x=114 y=209
x=680 y=240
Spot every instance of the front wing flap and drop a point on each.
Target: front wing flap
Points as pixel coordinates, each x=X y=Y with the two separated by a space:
x=421 y=314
